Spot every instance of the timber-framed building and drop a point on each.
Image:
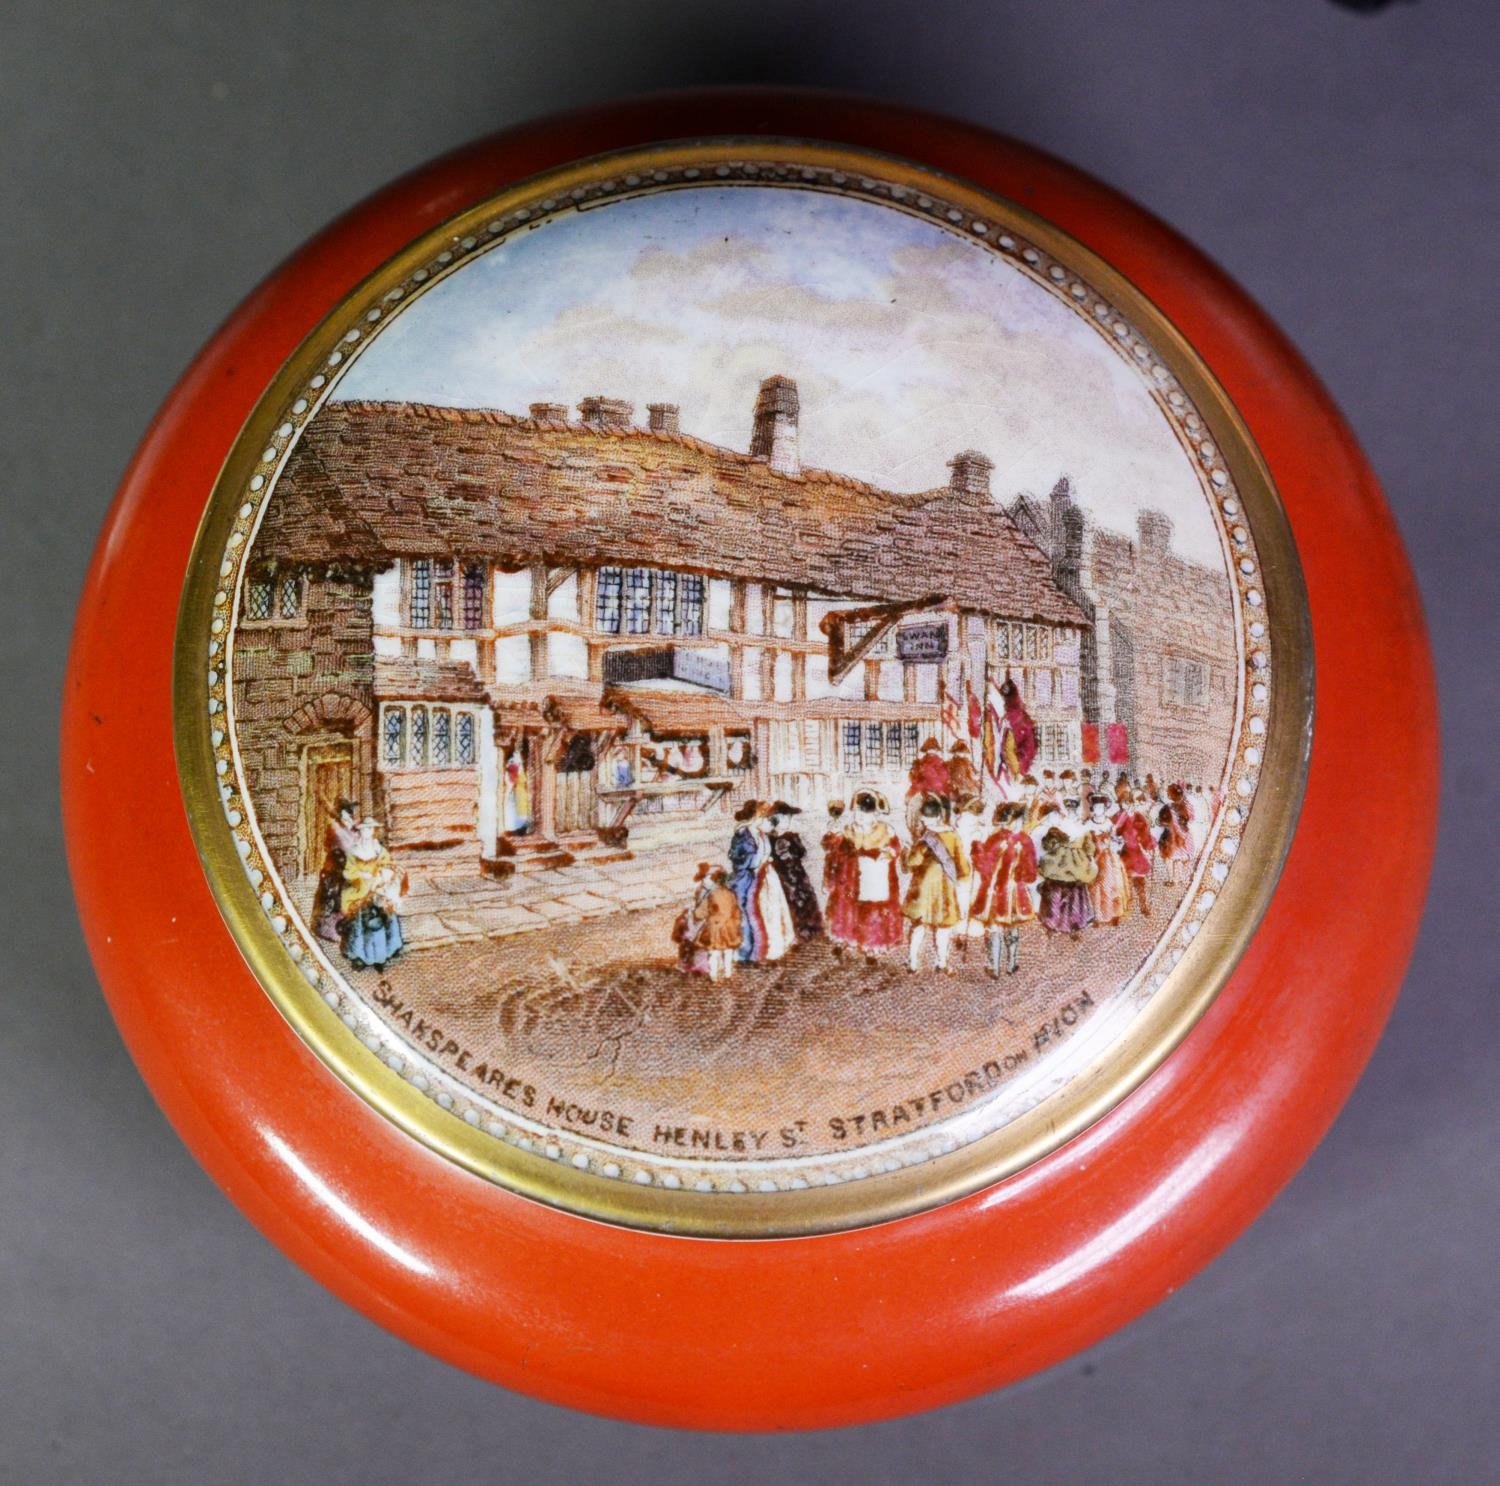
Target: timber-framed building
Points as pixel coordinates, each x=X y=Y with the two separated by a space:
x=547 y=633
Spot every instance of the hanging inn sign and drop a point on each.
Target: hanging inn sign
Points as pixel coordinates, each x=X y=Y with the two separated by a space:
x=854 y=633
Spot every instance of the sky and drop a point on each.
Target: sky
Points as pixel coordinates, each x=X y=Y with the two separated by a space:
x=907 y=342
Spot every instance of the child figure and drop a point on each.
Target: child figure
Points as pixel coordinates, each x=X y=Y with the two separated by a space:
x=717 y=914
x=692 y=958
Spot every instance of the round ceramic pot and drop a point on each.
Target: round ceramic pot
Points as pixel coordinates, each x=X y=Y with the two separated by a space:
x=750 y=712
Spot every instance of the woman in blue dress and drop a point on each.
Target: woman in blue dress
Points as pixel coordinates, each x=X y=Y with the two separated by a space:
x=370 y=901
x=767 y=931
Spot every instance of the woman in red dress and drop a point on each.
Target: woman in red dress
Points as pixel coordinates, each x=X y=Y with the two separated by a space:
x=859 y=871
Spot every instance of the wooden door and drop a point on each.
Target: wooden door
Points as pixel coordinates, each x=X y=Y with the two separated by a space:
x=328 y=777
x=577 y=803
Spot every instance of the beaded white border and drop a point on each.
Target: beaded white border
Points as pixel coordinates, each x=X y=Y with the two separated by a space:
x=1239 y=782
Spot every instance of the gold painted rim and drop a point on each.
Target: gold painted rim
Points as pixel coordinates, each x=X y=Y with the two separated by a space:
x=1206 y=961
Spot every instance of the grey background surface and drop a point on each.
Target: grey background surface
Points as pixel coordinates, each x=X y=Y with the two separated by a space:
x=158 y=159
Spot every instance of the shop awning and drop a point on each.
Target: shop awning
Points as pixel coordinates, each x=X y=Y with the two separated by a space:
x=679 y=714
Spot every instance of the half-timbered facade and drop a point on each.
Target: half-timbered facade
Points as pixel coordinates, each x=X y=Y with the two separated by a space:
x=569 y=631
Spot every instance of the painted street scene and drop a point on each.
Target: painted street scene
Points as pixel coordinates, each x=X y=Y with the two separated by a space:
x=731 y=657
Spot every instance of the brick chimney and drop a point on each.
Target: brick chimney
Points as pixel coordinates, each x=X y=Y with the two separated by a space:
x=605 y=412
x=1154 y=528
x=773 y=435
x=969 y=473
x=663 y=417
x=549 y=412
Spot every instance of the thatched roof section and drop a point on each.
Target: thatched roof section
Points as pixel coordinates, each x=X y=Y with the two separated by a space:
x=371 y=482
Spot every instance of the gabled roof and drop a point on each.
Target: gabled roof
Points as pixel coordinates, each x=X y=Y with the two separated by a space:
x=370 y=482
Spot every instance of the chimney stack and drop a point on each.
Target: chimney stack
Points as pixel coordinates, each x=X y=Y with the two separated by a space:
x=549 y=412
x=970 y=473
x=605 y=412
x=773 y=435
x=663 y=417
x=1155 y=531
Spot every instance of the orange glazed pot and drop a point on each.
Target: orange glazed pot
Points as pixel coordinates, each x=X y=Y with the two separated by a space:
x=475 y=963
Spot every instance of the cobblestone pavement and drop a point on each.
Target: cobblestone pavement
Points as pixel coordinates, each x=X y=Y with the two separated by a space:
x=448 y=905
x=458 y=908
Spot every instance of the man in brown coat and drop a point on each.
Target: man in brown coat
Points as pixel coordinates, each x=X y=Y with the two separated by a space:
x=717 y=913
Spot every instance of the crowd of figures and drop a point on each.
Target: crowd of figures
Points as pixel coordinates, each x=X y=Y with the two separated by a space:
x=1068 y=851
x=358 y=898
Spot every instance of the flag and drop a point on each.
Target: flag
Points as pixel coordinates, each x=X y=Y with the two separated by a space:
x=976 y=713
x=1090 y=738
x=1012 y=746
x=1117 y=743
x=993 y=735
x=953 y=718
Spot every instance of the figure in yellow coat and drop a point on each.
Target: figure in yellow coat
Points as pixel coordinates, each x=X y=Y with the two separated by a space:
x=938 y=861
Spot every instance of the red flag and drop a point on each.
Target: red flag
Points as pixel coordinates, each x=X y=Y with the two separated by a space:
x=1091 y=742
x=1016 y=732
x=1010 y=735
x=1117 y=743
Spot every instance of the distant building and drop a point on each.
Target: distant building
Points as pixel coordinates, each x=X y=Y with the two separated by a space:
x=504 y=632
x=1158 y=654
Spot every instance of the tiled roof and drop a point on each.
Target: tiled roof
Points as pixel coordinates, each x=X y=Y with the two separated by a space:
x=371 y=482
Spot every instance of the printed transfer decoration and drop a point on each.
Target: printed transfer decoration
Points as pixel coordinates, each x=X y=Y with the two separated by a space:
x=743 y=688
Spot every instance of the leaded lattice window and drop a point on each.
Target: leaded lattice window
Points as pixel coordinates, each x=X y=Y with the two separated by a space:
x=638 y=601
x=893 y=754
x=910 y=733
x=851 y=749
x=259 y=595
x=666 y=603
x=692 y=604
x=874 y=754
x=420 y=614
x=289 y=596
x=395 y=737
x=442 y=592
x=428 y=735
x=474 y=579
x=608 y=586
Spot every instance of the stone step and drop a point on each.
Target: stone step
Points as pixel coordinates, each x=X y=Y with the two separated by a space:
x=436 y=859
